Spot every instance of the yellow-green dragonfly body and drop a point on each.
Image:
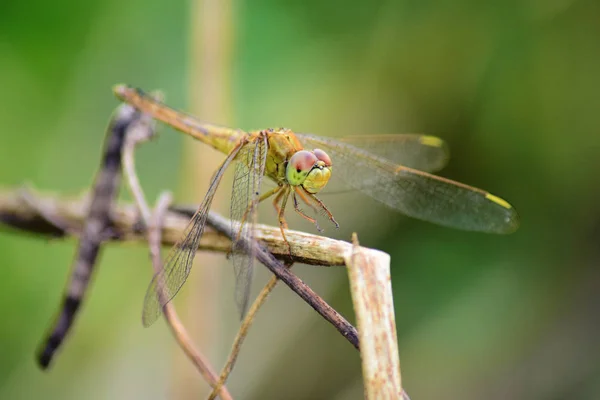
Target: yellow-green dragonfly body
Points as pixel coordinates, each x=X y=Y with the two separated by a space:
x=393 y=169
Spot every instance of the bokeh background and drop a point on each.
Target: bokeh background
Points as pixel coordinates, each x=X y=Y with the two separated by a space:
x=513 y=87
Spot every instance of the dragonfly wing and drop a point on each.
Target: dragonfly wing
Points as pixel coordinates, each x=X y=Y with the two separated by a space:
x=165 y=284
x=416 y=193
x=249 y=173
x=422 y=152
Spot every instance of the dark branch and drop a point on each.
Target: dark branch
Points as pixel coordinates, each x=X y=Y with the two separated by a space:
x=126 y=226
x=94 y=226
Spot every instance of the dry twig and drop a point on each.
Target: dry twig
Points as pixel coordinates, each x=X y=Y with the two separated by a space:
x=242 y=333
x=142 y=131
x=369 y=274
x=308 y=249
x=96 y=224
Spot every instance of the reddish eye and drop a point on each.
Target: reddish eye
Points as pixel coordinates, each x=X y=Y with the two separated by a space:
x=309 y=169
x=322 y=156
x=303 y=160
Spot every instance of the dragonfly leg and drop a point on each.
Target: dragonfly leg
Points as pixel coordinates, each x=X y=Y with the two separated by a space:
x=264 y=196
x=308 y=197
x=324 y=208
x=276 y=202
x=300 y=192
x=302 y=214
x=270 y=193
x=282 y=197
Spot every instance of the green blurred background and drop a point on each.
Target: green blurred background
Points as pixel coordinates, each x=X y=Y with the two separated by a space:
x=513 y=87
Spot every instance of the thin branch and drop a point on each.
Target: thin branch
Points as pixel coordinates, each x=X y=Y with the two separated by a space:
x=308 y=249
x=139 y=133
x=94 y=224
x=296 y=284
x=242 y=333
x=33 y=203
x=177 y=328
x=127 y=227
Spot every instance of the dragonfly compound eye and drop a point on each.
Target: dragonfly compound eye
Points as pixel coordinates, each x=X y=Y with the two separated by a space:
x=311 y=170
x=299 y=166
x=321 y=155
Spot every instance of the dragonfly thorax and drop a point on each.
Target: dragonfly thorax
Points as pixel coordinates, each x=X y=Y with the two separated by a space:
x=309 y=169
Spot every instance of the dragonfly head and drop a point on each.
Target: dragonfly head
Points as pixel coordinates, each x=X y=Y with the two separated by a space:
x=309 y=169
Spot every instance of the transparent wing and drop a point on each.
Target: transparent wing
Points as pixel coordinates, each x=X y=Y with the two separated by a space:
x=416 y=193
x=422 y=152
x=249 y=173
x=165 y=284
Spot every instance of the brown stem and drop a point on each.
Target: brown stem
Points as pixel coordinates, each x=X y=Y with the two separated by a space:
x=296 y=284
x=95 y=222
x=308 y=249
x=242 y=333
x=177 y=328
x=154 y=221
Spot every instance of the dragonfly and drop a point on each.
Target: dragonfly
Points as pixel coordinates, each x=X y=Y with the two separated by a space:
x=395 y=170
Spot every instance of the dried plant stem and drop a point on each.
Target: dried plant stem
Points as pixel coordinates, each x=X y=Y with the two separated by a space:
x=93 y=232
x=141 y=132
x=292 y=281
x=242 y=333
x=309 y=249
x=177 y=328
x=369 y=274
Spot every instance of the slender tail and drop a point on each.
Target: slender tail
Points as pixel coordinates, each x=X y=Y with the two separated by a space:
x=220 y=138
x=94 y=232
